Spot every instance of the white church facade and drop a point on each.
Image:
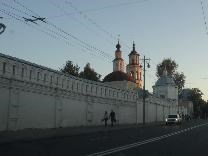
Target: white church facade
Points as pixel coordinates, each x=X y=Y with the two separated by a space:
x=33 y=96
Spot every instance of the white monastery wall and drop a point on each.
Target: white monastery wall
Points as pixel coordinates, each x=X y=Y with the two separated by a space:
x=32 y=96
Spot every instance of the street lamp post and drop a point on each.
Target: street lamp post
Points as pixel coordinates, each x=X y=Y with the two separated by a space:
x=144 y=92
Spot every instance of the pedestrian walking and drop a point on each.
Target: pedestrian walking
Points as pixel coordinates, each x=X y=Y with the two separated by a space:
x=112 y=117
x=105 y=118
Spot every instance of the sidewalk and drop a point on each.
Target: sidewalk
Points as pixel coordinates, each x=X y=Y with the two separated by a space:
x=37 y=134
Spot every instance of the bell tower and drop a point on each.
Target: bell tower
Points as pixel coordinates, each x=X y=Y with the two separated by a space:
x=134 y=68
x=118 y=62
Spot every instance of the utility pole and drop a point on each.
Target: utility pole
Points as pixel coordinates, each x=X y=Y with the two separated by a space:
x=144 y=92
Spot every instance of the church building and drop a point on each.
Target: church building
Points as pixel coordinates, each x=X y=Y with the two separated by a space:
x=130 y=79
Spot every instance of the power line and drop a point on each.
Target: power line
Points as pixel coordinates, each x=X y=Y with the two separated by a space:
x=204 y=17
x=14 y=16
x=78 y=21
x=69 y=34
x=20 y=11
x=56 y=36
x=60 y=33
x=107 y=56
x=20 y=4
x=93 y=22
x=104 y=7
x=85 y=16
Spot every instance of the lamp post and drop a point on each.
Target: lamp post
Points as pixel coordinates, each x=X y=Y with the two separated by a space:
x=144 y=92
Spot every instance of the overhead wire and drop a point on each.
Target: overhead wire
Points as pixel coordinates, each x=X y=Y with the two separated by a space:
x=54 y=34
x=87 y=46
x=18 y=10
x=82 y=13
x=104 y=7
x=14 y=16
x=85 y=16
x=83 y=43
x=78 y=21
x=93 y=22
x=204 y=16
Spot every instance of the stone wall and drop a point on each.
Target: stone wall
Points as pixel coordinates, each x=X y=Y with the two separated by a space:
x=33 y=96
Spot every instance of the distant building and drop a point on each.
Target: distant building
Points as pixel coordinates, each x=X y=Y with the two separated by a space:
x=165 y=87
x=184 y=102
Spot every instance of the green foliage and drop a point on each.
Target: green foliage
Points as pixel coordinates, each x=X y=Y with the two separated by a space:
x=70 y=68
x=171 y=67
x=179 y=79
x=89 y=73
x=195 y=95
x=198 y=103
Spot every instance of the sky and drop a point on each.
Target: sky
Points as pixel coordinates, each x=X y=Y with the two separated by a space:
x=87 y=31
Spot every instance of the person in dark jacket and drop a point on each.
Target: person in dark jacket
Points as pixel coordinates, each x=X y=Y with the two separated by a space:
x=112 y=117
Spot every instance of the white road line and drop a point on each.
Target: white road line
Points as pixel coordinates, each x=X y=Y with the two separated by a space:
x=121 y=148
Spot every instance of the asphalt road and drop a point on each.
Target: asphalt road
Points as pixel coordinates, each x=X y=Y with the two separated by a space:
x=190 y=138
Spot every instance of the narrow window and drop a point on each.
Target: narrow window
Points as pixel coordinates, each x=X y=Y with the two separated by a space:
x=62 y=83
x=82 y=88
x=57 y=81
x=86 y=88
x=101 y=91
x=72 y=86
x=44 y=79
x=30 y=74
x=22 y=74
x=4 y=67
x=13 y=70
x=67 y=83
x=96 y=90
x=137 y=75
x=38 y=76
x=51 y=79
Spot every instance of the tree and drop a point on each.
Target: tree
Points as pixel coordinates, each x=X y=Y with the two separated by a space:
x=70 y=68
x=196 y=97
x=179 y=79
x=171 y=67
x=89 y=73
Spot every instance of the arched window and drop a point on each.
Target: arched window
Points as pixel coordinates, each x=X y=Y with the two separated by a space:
x=132 y=74
x=4 y=67
x=137 y=75
x=120 y=66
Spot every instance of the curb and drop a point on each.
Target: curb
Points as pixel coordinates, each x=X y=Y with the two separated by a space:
x=27 y=135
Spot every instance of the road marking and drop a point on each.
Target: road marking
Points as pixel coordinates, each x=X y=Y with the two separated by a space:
x=140 y=143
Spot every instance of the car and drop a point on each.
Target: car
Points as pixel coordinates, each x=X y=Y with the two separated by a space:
x=173 y=119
